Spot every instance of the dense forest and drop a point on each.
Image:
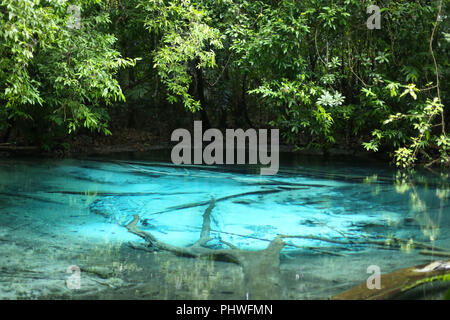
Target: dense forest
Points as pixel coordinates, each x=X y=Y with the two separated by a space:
x=321 y=71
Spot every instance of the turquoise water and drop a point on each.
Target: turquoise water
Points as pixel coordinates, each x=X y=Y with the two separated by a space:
x=336 y=208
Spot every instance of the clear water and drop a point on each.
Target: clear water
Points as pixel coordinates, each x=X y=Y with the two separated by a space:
x=80 y=209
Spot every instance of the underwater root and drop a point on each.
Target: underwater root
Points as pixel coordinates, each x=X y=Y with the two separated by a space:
x=390 y=243
x=256 y=265
x=398 y=282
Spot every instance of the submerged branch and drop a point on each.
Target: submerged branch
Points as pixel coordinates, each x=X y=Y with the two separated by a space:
x=394 y=243
x=198 y=249
x=435 y=253
x=256 y=265
x=203 y=203
x=205 y=235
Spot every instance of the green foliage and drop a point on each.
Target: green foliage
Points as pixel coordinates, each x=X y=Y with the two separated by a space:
x=419 y=120
x=51 y=72
x=321 y=74
x=311 y=68
x=186 y=38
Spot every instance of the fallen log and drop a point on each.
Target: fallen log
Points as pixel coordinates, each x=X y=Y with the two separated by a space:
x=396 y=283
x=261 y=268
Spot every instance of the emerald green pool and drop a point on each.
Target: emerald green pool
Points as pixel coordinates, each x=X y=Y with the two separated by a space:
x=60 y=213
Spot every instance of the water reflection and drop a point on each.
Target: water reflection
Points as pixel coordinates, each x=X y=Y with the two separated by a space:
x=337 y=218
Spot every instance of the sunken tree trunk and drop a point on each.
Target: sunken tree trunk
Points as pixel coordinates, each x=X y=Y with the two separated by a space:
x=261 y=268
